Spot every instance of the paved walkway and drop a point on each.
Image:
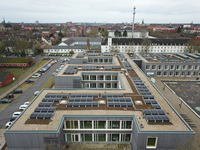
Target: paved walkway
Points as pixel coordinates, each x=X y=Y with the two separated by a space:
x=30 y=70
x=174 y=101
x=2 y=139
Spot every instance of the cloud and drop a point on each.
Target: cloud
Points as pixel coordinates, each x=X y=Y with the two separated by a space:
x=51 y=11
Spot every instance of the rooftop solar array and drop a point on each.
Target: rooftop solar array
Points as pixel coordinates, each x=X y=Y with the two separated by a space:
x=120 y=104
x=112 y=95
x=85 y=95
x=80 y=99
x=82 y=104
x=56 y=95
x=71 y=70
x=45 y=104
x=90 y=68
x=108 y=54
x=119 y=99
x=153 y=112
x=157 y=118
x=80 y=55
x=121 y=56
x=93 y=54
x=112 y=67
x=45 y=109
x=37 y=115
x=51 y=99
x=128 y=65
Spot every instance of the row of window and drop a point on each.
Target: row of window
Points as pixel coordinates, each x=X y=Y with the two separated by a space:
x=95 y=137
x=13 y=64
x=107 y=137
x=172 y=67
x=100 y=85
x=135 y=47
x=99 y=77
x=172 y=73
x=90 y=60
x=95 y=124
x=63 y=50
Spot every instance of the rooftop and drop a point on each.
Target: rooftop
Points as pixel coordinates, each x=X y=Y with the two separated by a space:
x=133 y=81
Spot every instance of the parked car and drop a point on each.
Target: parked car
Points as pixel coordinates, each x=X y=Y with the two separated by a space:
x=22 y=107
x=36 y=93
x=54 y=73
x=55 y=61
x=17 y=91
x=8 y=124
x=12 y=118
x=26 y=103
x=5 y=101
x=29 y=81
x=16 y=114
x=43 y=70
x=36 y=75
x=9 y=96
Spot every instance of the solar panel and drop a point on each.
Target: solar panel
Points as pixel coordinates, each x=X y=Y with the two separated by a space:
x=40 y=115
x=48 y=115
x=156 y=106
x=44 y=109
x=51 y=109
x=165 y=118
x=70 y=104
x=34 y=115
x=38 y=109
x=150 y=118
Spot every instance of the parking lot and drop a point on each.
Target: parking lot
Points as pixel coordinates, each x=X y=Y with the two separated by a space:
x=189 y=92
x=7 y=112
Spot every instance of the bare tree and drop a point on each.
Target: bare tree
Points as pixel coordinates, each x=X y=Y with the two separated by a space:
x=146 y=45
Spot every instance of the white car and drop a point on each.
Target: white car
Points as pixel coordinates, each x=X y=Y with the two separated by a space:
x=55 y=61
x=36 y=93
x=54 y=73
x=26 y=103
x=37 y=75
x=16 y=114
x=8 y=124
x=22 y=107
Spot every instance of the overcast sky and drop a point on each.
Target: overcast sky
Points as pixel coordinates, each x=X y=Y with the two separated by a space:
x=110 y=11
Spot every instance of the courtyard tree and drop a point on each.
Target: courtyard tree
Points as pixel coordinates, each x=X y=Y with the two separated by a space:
x=145 y=45
x=125 y=33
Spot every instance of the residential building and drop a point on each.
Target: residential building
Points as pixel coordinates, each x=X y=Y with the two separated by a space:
x=131 y=45
x=137 y=33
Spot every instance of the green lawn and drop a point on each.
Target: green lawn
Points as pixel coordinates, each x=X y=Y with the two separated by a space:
x=15 y=60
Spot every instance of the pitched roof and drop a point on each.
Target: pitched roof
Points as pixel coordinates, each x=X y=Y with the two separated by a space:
x=3 y=75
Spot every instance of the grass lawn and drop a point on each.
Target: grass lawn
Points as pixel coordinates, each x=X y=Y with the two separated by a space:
x=16 y=71
x=40 y=64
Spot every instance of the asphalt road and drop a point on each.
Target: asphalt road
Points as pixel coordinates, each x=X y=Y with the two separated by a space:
x=7 y=112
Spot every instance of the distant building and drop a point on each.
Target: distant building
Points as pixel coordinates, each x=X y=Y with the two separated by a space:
x=36 y=22
x=5 y=26
x=137 y=33
x=5 y=78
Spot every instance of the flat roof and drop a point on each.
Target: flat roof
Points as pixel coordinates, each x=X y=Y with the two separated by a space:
x=176 y=124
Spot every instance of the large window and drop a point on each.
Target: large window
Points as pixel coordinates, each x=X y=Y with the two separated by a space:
x=126 y=124
x=95 y=60
x=160 y=67
x=108 y=77
x=113 y=124
x=100 y=85
x=85 y=77
x=100 y=77
x=125 y=137
x=105 y=60
x=171 y=67
x=86 y=124
x=114 y=85
x=148 y=67
x=108 y=85
x=86 y=137
x=189 y=67
x=71 y=124
x=92 y=77
x=153 y=67
x=99 y=124
x=166 y=67
x=100 y=60
x=114 y=77
x=184 y=67
x=113 y=137
x=151 y=142
x=196 y=67
x=99 y=137
x=92 y=85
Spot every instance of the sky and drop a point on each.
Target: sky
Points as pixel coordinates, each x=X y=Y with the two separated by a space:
x=100 y=11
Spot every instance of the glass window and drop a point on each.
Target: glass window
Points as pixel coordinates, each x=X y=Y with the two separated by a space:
x=153 y=67
x=85 y=77
x=151 y=142
x=108 y=85
x=71 y=124
x=99 y=124
x=166 y=67
x=177 y=73
x=86 y=137
x=126 y=124
x=108 y=77
x=125 y=137
x=158 y=73
x=105 y=60
x=69 y=137
x=114 y=85
x=165 y=73
x=148 y=66
x=86 y=124
x=184 y=67
x=113 y=124
x=92 y=85
x=178 y=67
x=171 y=73
x=160 y=67
x=95 y=60
x=110 y=60
x=101 y=60
x=172 y=67
x=114 y=77
x=100 y=77
x=92 y=77
x=189 y=67
x=196 y=67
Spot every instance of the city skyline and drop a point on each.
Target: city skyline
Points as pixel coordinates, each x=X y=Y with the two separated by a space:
x=100 y=11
